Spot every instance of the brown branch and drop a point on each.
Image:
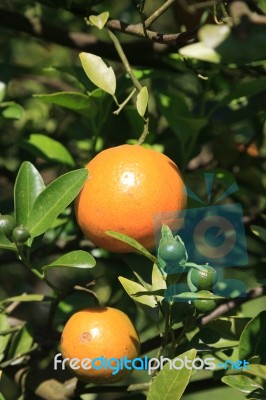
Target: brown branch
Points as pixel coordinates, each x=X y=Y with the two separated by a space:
x=231 y=304
x=239 y=9
x=162 y=38
x=138 y=52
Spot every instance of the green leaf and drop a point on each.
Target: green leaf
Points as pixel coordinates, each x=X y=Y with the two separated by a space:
x=29 y=184
x=4 y=339
x=200 y=51
x=209 y=339
x=142 y=101
x=247 y=89
x=141 y=281
x=21 y=343
x=229 y=327
x=48 y=148
x=74 y=259
x=198 y=295
x=2 y=91
x=219 y=44
x=99 y=20
x=262 y=5
x=184 y=125
x=12 y=110
x=242 y=383
x=170 y=384
x=74 y=101
x=98 y=72
x=259 y=231
x=24 y=298
x=157 y=279
x=158 y=292
x=54 y=199
x=6 y=244
x=133 y=243
x=252 y=340
x=213 y=35
x=258 y=370
x=132 y=288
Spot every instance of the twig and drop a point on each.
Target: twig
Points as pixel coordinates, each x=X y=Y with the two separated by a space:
x=158 y=13
x=13 y=306
x=124 y=60
x=81 y=41
x=61 y=296
x=134 y=80
x=231 y=304
x=239 y=10
x=122 y=105
x=145 y=131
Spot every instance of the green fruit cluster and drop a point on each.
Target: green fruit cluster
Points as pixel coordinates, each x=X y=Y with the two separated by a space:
x=204 y=281
x=172 y=257
x=18 y=234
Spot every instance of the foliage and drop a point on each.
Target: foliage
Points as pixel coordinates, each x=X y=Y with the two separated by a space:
x=69 y=89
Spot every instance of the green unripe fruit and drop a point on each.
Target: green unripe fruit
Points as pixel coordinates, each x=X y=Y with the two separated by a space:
x=7 y=224
x=20 y=234
x=204 y=279
x=205 y=305
x=172 y=251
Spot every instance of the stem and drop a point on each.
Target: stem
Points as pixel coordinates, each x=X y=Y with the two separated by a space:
x=124 y=60
x=115 y=100
x=145 y=131
x=187 y=324
x=94 y=141
x=134 y=80
x=37 y=273
x=122 y=105
x=158 y=13
x=61 y=296
x=167 y=328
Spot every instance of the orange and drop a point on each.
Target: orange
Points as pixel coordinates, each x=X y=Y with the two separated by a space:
x=127 y=186
x=252 y=149
x=103 y=332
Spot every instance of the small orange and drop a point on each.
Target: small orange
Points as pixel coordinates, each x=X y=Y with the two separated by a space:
x=251 y=149
x=127 y=186
x=103 y=332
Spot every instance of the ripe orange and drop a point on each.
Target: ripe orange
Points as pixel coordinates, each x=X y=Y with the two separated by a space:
x=99 y=332
x=127 y=186
x=252 y=149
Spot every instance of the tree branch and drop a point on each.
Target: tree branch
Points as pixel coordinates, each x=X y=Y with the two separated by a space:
x=162 y=38
x=82 y=42
x=239 y=10
x=231 y=304
x=158 y=13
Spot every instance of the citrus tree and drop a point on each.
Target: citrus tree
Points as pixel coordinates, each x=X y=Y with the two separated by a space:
x=132 y=199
